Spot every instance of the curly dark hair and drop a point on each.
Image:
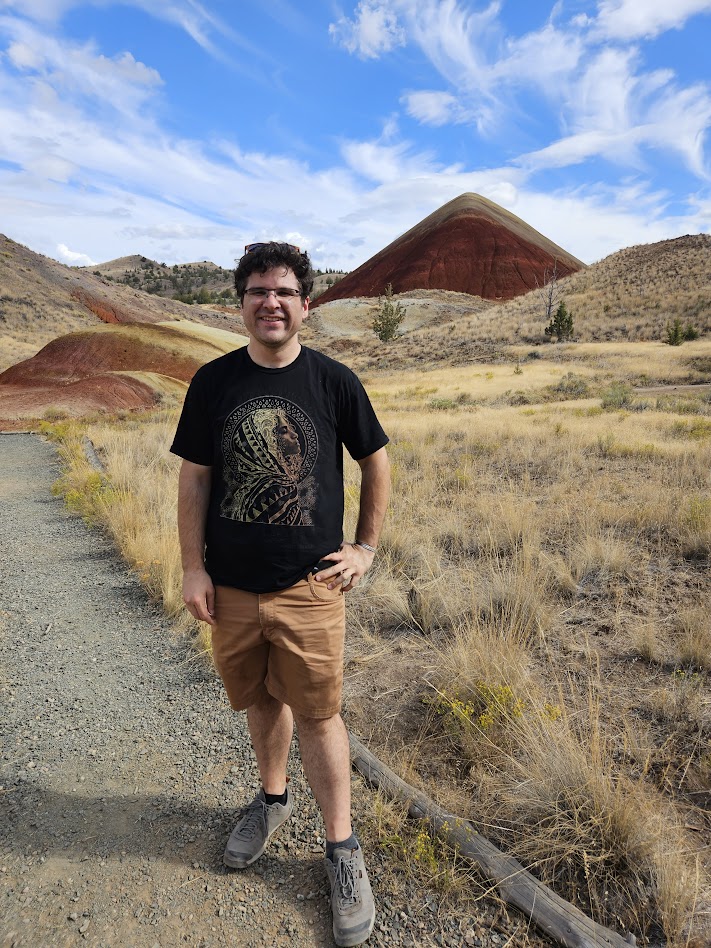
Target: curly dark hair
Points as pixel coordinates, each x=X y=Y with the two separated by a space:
x=270 y=256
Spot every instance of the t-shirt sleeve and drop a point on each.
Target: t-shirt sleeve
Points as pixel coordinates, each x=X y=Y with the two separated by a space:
x=193 y=437
x=358 y=426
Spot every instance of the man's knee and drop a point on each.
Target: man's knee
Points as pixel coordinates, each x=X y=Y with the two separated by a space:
x=263 y=701
x=310 y=725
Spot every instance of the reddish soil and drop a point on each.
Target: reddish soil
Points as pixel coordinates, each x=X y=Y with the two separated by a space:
x=81 y=372
x=104 y=392
x=107 y=312
x=139 y=348
x=470 y=245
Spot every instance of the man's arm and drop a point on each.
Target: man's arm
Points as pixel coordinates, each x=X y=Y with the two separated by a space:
x=354 y=561
x=194 y=485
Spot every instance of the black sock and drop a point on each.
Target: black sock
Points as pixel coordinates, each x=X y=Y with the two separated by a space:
x=350 y=843
x=271 y=798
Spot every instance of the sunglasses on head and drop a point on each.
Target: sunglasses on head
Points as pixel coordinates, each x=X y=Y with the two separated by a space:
x=250 y=248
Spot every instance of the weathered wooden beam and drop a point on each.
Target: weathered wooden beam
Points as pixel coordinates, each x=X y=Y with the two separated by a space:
x=516 y=885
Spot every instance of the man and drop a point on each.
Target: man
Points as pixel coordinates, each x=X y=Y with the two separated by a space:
x=260 y=513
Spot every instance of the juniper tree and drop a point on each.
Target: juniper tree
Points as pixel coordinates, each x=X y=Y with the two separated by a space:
x=561 y=325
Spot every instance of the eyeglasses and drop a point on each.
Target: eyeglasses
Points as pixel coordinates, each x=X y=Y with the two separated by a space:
x=283 y=294
x=250 y=248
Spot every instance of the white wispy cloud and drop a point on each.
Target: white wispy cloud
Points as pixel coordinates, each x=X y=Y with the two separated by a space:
x=374 y=30
x=195 y=18
x=77 y=71
x=84 y=131
x=632 y=19
x=616 y=112
x=384 y=163
x=610 y=105
x=433 y=108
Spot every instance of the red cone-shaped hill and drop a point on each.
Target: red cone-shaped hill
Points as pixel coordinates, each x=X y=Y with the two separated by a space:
x=469 y=245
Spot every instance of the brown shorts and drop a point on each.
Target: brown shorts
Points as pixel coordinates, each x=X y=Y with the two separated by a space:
x=289 y=643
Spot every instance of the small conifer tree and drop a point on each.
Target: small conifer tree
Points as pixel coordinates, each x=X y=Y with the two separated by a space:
x=389 y=317
x=561 y=325
x=676 y=333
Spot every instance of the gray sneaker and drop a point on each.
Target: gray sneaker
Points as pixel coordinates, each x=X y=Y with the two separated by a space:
x=351 y=897
x=250 y=837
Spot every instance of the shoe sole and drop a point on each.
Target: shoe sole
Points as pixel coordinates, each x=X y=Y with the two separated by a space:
x=346 y=942
x=238 y=864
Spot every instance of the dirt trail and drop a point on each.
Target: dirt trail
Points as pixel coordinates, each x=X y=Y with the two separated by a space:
x=122 y=768
x=122 y=764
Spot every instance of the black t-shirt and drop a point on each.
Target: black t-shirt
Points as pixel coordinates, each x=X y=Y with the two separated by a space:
x=273 y=438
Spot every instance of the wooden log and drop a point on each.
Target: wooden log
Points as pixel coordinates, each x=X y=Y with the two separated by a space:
x=516 y=885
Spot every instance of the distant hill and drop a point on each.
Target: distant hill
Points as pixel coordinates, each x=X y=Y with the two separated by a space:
x=469 y=245
x=631 y=295
x=203 y=282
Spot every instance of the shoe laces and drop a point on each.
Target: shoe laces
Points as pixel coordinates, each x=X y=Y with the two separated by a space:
x=255 y=816
x=346 y=880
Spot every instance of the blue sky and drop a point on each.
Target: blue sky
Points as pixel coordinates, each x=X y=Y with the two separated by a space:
x=183 y=130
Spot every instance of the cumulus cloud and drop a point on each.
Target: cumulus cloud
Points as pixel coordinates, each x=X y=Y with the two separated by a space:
x=374 y=30
x=631 y=20
x=71 y=257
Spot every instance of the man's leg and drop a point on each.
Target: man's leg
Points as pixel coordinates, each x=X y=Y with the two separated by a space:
x=326 y=760
x=271 y=727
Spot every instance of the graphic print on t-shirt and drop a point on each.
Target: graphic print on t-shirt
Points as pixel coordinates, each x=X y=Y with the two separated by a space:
x=269 y=447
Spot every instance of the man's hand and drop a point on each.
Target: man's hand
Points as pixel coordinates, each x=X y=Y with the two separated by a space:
x=199 y=595
x=352 y=562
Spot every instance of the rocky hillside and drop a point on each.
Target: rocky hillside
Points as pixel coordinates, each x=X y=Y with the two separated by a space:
x=202 y=282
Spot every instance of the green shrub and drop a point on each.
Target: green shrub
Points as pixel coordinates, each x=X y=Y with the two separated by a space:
x=676 y=333
x=618 y=395
x=572 y=385
x=387 y=321
x=561 y=325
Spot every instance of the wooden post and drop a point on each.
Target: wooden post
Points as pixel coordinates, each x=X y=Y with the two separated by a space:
x=547 y=911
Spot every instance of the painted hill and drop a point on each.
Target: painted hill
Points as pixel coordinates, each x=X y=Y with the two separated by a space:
x=631 y=296
x=469 y=245
x=41 y=299
x=111 y=368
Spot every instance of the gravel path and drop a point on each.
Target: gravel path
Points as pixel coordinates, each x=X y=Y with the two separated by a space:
x=123 y=766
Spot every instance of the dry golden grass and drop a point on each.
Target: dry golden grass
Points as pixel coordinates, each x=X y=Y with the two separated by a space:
x=544 y=564
x=545 y=549
x=25 y=338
